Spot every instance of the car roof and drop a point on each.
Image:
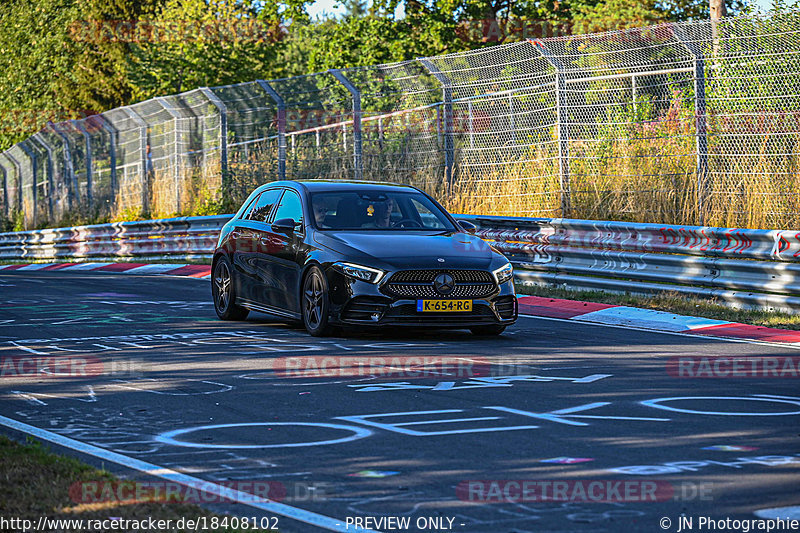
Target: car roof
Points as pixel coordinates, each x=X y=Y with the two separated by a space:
x=339 y=185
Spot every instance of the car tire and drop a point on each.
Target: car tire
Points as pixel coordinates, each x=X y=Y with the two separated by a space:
x=316 y=303
x=487 y=331
x=223 y=291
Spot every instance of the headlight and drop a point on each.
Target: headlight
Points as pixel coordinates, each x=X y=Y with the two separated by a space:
x=504 y=273
x=370 y=275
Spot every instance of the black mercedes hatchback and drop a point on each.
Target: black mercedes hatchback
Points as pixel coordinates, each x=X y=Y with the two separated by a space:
x=357 y=254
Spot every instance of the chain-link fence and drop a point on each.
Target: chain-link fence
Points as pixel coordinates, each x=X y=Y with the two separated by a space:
x=693 y=123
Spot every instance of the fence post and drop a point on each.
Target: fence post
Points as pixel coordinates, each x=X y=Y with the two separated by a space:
x=281 y=105
x=176 y=166
x=69 y=171
x=447 y=100
x=143 y=150
x=38 y=137
x=87 y=140
x=357 y=161
x=223 y=132
x=562 y=127
x=701 y=135
x=34 y=164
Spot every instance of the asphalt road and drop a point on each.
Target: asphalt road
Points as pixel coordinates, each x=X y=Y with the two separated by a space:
x=386 y=430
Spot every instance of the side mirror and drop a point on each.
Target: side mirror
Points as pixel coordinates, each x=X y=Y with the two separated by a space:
x=284 y=225
x=469 y=227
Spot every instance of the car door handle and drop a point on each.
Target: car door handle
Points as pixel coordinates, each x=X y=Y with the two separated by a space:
x=266 y=241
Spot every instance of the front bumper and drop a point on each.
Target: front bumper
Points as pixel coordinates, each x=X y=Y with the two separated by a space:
x=355 y=302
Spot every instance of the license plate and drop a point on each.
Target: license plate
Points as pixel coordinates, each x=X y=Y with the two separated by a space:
x=444 y=306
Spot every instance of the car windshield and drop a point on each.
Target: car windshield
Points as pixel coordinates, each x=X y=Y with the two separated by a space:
x=371 y=210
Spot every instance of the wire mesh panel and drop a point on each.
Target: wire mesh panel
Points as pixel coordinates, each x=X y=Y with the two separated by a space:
x=163 y=160
x=400 y=131
x=753 y=106
x=199 y=146
x=129 y=132
x=4 y=200
x=12 y=183
x=252 y=145
x=629 y=123
x=80 y=160
x=95 y=131
x=26 y=164
x=319 y=127
x=504 y=118
x=39 y=192
x=61 y=193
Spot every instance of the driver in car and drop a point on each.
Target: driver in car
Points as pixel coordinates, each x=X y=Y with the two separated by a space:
x=382 y=218
x=320 y=212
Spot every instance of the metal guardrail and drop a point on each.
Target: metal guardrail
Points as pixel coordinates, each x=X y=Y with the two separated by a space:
x=740 y=267
x=184 y=237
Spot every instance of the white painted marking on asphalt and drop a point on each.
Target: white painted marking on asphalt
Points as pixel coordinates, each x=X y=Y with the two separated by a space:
x=784 y=513
x=169 y=436
x=28 y=398
x=25 y=348
x=656 y=402
x=208 y=487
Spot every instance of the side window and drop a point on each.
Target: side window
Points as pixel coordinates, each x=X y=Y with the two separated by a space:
x=290 y=207
x=262 y=206
x=426 y=217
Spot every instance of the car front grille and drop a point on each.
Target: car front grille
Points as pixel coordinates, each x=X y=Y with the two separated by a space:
x=419 y=284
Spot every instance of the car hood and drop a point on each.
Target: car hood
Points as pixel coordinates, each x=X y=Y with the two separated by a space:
x=408 y=250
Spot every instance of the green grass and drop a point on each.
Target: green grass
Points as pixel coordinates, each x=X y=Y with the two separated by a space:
x=673 y=303
x=35 y=482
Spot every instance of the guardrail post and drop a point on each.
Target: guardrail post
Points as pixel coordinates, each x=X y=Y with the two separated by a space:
x=87 y=140
x=145 y=179
x=562 y=127
x=223 y=132
x=38 y=137
x=447 y=101
x=357 y=162
x=34 y=166
x=176 y=166
x=281 y=105
x=69 y=171
x=701 y=134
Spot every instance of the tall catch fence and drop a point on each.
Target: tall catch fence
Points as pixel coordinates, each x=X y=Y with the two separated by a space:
x=693 y=123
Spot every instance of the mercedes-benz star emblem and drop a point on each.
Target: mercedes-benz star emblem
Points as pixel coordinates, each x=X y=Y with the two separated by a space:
x=444 y=283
